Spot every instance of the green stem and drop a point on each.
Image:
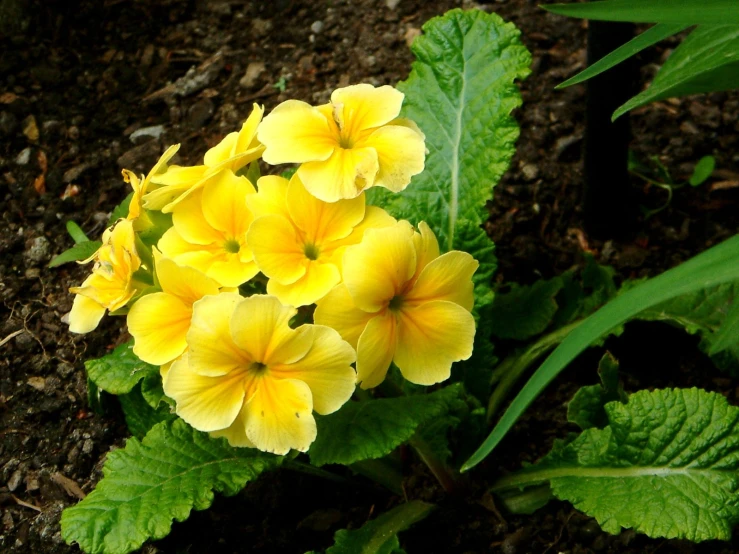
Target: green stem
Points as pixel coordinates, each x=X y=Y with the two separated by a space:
x=440 y=470
x=527 y=501
x=306 y=469
x=514 y=367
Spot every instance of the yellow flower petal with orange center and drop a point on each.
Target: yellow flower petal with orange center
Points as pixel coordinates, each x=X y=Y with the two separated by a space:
x=347 y=146
x=376 y=349
x=250 y=378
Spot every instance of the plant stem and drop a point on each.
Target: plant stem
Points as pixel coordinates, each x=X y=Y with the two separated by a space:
x=513 y=368
x=440 y=470
x=527 y=501
x=307 y=469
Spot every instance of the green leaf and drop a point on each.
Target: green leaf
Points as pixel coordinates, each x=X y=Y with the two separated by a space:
x=688 y=12
x=587 y=407
x=140 y=416
x=373 y=428
x=666 y=466
x=646 y=39
x=76 y=232
x=153 y=391
x=460 y=92
x=706 y=61
x=728 y=334
x=148 y=484
x=527 y=311
x=702 y=171
x=713 y=267
x=119 y=371
x=379 y=536
x=121 y=210
x=80 y=251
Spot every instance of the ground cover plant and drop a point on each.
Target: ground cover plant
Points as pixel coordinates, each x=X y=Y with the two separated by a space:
x=205 y=279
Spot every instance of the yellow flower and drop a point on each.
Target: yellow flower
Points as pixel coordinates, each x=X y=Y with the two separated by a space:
x=347 y=146
x=401 y=302
x=232 y=153
x=111 y=284
x=249 y=377
x=299 y=240
x=141 y=186
x=159 y=321
x=209 y=231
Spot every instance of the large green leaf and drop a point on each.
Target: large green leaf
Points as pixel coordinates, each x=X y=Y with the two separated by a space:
x=713 y=267
x=140 y=416
x=460 y=92
x=666 y=465
x=526 y=311
x=374 y=428
x=119 y=371
x=148 y=484
x=646 y=39
x=706 y=61
x=688 y=12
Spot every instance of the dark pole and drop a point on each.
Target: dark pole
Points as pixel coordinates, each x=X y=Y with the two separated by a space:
x=610 y=210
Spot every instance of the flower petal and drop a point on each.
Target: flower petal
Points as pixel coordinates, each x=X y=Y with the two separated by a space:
x=235 y=434
x=427 y=247
x=318 y=280
x=236 y=142
x=176 y=182
x=206 y=403
x=224 y=203
x=337 y=310
x=85 y=315
x=279 y=416
x=232 y=270
x=271 y=197
x=401 y=153
x=190 y=223
x=375 y=350
x=378 y=268
x=278 y=249
x=430 y=337
x=159 y=323
x=326 y=369
x=448 y=277
x=260 y=326
x=212 y=351
x=364 y=106
x=345 y=174
x=295 y=132
x=186 y=283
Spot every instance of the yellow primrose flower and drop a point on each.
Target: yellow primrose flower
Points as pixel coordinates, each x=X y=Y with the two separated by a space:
x=402 y=302
x=249 y=377
x=111 y=284
x=209 y=231
x=347 y=146
x=232 y=153
x=159 y=321
x=300 y=243
x=141 y=186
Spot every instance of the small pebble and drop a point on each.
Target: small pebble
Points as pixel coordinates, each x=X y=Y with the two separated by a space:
x=24 y=157
x=317 y=26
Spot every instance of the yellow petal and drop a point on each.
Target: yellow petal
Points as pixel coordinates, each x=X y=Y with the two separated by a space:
x=212 y=351
x=248 y=133
x=278 y=249
x=448 y=277
x=430 y=337
x=363 y=106
x=320 y=221
x=186 y=283
x=401 y=153
x=85 y=315
x=190 y=223
x=345 y=174
x=159 y=323
x=427 y=247
x=326 y=369
x=235 y=434
x=206 y=403
x=295 y=132
x=271 y=197
x=259 y=326
x=231 y=270
x=236 y=143
x=375 y=350
x=224 y=203
x=378 y=268
x=280 y=416
x=318 y=280
x=374 y=218
x=337 y=310
x=176 y=182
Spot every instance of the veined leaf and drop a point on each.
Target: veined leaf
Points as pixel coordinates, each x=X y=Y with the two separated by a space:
x=646 y=39
x=728 y=334
x=148 y=484
x=379 y=536
x=373 y=428
x=526 y=311
x=713 y=267
x=706 y=61
x=119 y=371
x=587 y=407
x=80 y=251
x=460 y=92
x=689 y=12
x=140 y=416
x=667 y=465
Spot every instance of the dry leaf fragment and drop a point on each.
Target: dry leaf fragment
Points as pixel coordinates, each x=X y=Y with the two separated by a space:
x=30 y=129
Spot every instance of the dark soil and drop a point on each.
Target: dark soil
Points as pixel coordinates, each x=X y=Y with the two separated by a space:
x=88 y=74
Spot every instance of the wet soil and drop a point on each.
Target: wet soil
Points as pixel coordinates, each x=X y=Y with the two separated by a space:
x=85 y=91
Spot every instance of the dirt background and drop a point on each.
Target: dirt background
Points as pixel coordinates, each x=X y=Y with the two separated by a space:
x=84 y=92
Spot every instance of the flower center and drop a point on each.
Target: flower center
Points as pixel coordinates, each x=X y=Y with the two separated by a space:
x=396 y=302
x=311 y=251
x=232 y=246
x=258 y=367
x=345 y=142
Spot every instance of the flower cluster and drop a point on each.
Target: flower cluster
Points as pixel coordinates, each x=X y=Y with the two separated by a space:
x=187 y=263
